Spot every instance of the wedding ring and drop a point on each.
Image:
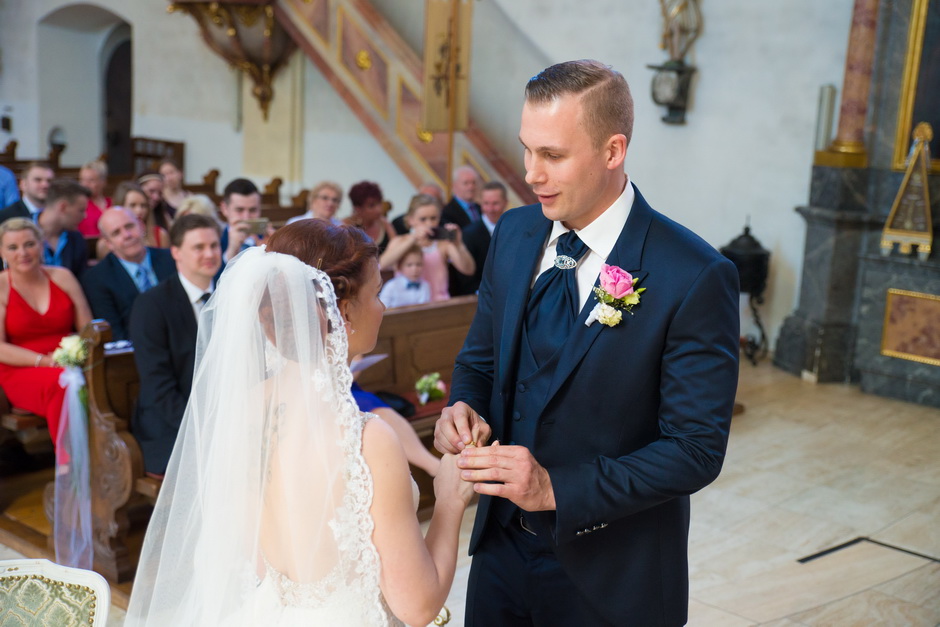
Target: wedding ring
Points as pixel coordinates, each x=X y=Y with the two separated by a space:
x=472 y=443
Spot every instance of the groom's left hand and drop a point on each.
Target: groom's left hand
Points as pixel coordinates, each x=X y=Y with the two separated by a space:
x=510 y=472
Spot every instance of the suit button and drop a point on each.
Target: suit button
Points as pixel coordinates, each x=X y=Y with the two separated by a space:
x=516 y=416
x=521 y=387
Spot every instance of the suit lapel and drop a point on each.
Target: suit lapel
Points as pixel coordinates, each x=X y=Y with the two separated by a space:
x=528 y=252
x=126 y=284
x=628 y=254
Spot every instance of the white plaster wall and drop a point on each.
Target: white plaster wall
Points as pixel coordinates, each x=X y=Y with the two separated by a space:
x=747 y=148
x=339 y=148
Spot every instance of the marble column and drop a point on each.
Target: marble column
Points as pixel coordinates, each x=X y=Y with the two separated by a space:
x=850 y=138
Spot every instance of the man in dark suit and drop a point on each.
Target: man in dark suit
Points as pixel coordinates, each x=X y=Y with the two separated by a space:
x=130 y=269
x=477 y=236
x=462 y=209
x=241 y=201
x=63 y=245
x=163 y=330
x=35 y=179
x=605 y=427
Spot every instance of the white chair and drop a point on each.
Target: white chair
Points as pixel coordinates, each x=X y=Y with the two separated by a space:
x=40 y=592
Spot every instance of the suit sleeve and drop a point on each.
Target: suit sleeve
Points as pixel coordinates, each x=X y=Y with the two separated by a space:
x=699 y=375
x=473 y=378
x=160 y=396
x=103 y=303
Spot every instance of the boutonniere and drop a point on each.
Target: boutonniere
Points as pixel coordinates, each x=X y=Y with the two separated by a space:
x=615 y=295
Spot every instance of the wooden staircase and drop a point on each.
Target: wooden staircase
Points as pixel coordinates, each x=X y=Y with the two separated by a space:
x=379 y=77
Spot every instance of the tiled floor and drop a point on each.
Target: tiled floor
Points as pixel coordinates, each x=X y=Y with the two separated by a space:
x=810 y=467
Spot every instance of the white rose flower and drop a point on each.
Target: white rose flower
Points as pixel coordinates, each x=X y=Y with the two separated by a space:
x=609 y=316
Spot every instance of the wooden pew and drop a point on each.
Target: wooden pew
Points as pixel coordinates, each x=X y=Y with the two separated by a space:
x=116 y=459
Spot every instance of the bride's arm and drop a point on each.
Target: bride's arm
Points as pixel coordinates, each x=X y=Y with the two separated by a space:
x=416 y=572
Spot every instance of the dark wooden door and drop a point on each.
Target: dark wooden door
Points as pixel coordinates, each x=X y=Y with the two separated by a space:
x=118 y=82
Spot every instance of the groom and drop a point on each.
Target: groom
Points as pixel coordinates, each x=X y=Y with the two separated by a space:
x=603 y=430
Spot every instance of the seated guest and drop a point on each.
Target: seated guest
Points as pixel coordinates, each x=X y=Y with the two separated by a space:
x=94 y=176
x=407 y=288
x=63 y=245
x=199 y=204
x=163 y=330
x=35 y=179
x=368 y=213
x=441 y=245
x=477 y=235
x=173 y=192
x=9 y=190
x=152 y=184
x=28 y=375
x=130 y=269
x=131 y=196
x=322 y=203
x=241 y=201
x=462 y=209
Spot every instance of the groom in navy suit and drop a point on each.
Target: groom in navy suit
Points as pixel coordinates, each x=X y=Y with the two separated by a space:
x=604 y=428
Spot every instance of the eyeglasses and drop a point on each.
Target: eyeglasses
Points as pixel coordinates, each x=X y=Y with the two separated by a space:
x=333 y=199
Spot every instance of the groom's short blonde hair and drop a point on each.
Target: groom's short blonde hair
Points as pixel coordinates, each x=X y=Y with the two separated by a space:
x=605 y=96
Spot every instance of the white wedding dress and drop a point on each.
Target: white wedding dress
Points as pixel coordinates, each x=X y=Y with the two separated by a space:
x=264 y=515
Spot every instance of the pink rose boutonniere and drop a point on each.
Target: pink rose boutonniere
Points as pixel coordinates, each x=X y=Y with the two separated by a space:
x=617 y=293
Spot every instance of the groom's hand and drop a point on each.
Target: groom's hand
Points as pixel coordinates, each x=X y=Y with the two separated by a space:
x=510 y=472
x=459 y=427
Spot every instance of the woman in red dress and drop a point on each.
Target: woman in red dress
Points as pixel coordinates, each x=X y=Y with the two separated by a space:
x=39 y=305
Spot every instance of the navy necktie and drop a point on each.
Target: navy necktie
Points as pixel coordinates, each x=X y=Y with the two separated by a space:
x=205 y=297
x=143 y=279
x=474 y=210
x=554 y=303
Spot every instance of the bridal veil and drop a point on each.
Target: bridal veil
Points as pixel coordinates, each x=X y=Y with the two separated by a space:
x=263 y=517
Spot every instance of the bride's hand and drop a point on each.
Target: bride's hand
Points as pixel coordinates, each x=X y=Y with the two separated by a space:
x=448 y=485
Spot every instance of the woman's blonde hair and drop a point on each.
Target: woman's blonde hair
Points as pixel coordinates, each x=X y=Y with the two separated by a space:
x=14 y=225
x=422 y=200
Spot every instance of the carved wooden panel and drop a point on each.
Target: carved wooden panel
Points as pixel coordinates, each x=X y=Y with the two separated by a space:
x=912 y=327
x=363 y=61
x=429 y=147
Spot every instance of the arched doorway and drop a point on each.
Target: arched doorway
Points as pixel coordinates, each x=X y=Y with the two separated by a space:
x=79 y=47
x=117 y=96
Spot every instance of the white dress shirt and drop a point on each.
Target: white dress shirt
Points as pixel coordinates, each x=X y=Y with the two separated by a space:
x=194 y=294
x=600 y=237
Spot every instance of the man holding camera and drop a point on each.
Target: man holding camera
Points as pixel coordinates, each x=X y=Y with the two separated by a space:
x=241 y=207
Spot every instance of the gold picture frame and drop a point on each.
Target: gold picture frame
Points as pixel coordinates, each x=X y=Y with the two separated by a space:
x=907 y=315
x=919 y=42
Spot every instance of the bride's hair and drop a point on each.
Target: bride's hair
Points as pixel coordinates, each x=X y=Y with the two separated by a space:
x=342 y=252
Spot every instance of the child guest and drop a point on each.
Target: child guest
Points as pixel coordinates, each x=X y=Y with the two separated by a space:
x=407 y=288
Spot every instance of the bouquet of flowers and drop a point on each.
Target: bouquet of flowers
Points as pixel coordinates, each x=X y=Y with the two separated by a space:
x=430 y=388
x=71 y=352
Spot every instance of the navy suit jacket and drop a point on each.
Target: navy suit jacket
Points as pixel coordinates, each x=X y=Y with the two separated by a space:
x=111 y=291
x=75 y=253
x=453 y=213
x=16 y=210
x=636 y=417
x=163 y=330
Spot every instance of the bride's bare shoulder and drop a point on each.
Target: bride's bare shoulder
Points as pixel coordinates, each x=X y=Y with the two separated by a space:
x=380 y=445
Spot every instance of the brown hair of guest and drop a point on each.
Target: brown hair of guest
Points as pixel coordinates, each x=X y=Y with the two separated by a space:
x=344 y=253
x=190 y=222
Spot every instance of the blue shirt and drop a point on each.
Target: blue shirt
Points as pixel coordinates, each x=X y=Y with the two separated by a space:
x=132 y=267
x=466 y=208
x=54 y=258
x=9 y=192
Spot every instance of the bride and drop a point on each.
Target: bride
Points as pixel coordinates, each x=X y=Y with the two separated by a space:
x=283 y=504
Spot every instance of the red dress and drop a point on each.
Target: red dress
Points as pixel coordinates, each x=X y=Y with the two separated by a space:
x=37 y=390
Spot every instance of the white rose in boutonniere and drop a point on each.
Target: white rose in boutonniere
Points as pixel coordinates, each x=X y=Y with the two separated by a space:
x=615 y=295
